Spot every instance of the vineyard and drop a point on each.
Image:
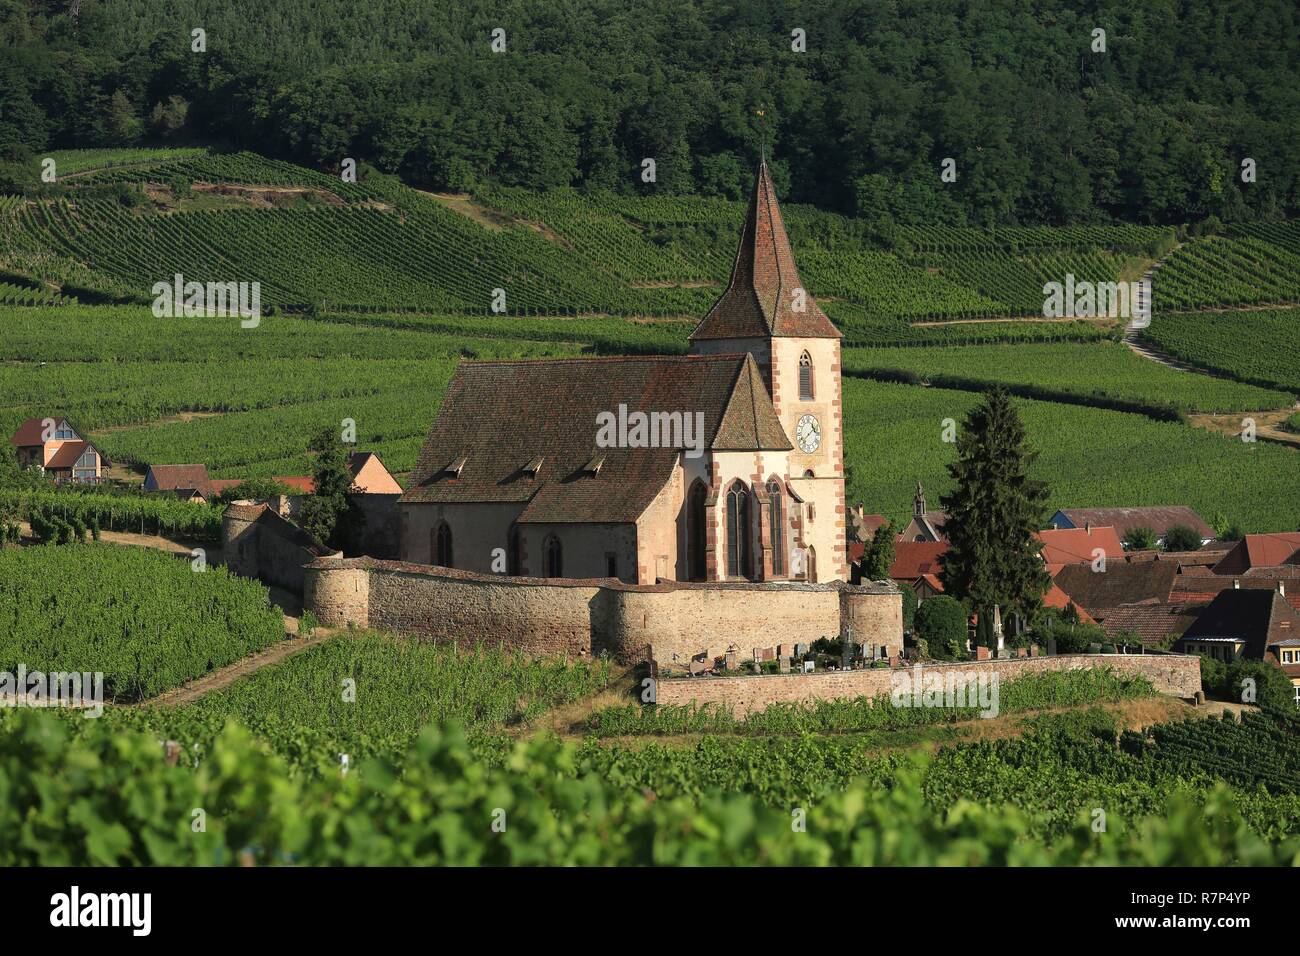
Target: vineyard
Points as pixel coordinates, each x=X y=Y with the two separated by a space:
x=378 y=245
x=1258 y=751
x=1102 y=374
x=369 y=695
x=893 y=439
x=1253 y=265
x=143 y=619
x=1028 y=801
x=118 y=512
x=1255 y=346
x=263 y=391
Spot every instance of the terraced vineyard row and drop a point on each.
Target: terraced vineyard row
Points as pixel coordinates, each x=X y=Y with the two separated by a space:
x=68 y=161
x=886 y=287
x=230 y=168
x=1255 y=752
x=358 y=256
x=1106 y=373
x=1015 y=283
x=12 y=294
x=944 y=240
x=1233 y=271
x=1256 y=346
x=382 y=246
x=135 y=513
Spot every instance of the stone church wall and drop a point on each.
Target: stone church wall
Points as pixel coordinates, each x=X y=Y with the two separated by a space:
x=671 y=622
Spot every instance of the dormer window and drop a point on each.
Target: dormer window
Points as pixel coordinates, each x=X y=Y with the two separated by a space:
x=456 y=467
x=592 y=467
x=533 y=467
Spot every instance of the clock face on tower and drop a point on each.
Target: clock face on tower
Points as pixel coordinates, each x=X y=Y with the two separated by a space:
x=808 y=434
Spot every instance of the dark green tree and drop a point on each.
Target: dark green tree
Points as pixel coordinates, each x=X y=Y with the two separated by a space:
x=909 y=606
x=1182 y=538
x=941 y=621
x=1140 y=538
x=325 y=511
x=994 y=510
x=878 y=556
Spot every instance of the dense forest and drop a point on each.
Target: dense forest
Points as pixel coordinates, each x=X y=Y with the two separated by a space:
x=1042 y=125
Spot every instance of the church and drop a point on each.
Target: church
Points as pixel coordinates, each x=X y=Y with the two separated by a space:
x=727 y=464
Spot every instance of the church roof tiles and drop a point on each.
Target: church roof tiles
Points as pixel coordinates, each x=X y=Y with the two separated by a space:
x=765 y=294
x=498 y=415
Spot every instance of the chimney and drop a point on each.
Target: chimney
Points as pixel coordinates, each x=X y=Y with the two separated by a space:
x=1087 y=528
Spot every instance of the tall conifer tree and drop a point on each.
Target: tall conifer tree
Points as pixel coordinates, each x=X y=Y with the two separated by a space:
x=993 y=556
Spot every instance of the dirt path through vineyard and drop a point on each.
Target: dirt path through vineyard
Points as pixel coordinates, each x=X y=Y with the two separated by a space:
x=223 y=677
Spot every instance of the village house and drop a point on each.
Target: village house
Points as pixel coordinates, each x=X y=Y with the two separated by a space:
x=1080 y=546
x=192 y=483
x=737 y=477
x=1158 y=518
x=187 y=482
x=55 y=447
x=1254 y=624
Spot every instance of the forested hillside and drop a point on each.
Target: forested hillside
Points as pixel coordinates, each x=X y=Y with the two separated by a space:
x=1043 y=129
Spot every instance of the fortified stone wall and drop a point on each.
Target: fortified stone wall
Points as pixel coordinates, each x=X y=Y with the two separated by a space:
x=671 y=622
x=258 y=543
x=1176 y=674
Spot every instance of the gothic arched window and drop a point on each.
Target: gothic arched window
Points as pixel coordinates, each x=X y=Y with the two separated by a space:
x=442 y=546
x=776 y=514
x=805 y=377
x=739 y=549
x=554 y=557
x=696 y=532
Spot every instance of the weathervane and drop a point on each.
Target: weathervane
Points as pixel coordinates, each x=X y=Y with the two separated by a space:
x=762 y=133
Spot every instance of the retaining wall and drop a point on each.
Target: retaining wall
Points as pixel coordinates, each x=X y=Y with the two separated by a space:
x=1176 y=674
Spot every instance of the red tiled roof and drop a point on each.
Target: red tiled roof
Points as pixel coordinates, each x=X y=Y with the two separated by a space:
x=301 y=483
x=177 y=477
x=1261 y=550
x=221 y=484
x=1057 y=598
x=67 y=454
x=1076 y=545
x=1120 y=583
x=914 y=559
x=1154 y=624
x=759 y=300
x=500 y=416
x=29 y=432
x=1159 y=518
x=870 y=523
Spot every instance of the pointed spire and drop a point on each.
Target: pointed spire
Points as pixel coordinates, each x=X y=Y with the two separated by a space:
x=765 y=295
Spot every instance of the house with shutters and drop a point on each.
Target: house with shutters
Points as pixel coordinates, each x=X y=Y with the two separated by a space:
x=722 y=465
x=56 y=448
x=1255 y=624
